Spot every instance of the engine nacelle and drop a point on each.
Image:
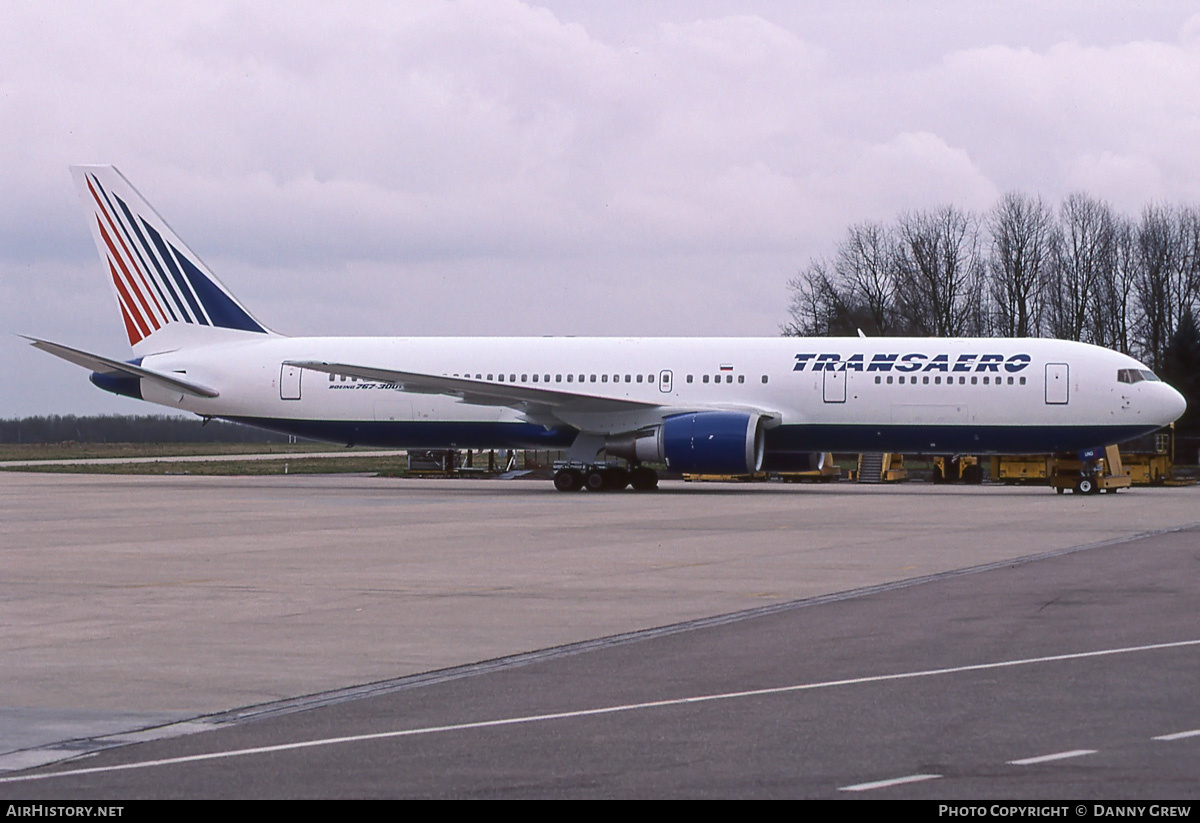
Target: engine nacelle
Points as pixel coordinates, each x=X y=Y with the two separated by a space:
x=714 y=442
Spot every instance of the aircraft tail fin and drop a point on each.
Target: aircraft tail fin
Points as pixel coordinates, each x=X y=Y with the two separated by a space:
x=160 y=284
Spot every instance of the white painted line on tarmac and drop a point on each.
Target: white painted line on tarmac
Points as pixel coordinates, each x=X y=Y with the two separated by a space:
x=883 y=784
x=628 y=707
x=1046 y=758
x=1178 y=735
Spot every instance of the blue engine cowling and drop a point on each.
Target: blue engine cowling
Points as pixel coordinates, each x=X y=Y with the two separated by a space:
x=713 y=442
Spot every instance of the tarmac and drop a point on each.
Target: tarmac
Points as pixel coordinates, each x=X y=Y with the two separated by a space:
x=133 y=602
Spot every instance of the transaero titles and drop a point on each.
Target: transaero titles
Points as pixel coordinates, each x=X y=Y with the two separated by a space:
x=915 y=361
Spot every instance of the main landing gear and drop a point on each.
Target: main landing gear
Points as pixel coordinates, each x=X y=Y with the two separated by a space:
x=602 y=477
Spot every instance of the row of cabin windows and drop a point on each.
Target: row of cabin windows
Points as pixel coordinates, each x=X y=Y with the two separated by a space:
x=728 y=378
x=962 y=380
x=583 y=378
x=603 y=378
x=559 y=378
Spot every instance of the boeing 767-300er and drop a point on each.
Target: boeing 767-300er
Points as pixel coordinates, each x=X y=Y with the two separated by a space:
x=701 y=405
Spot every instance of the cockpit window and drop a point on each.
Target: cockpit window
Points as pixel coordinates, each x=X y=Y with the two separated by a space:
x=1135 y=375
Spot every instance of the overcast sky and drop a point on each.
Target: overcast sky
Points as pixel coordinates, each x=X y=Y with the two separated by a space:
x=499 y=167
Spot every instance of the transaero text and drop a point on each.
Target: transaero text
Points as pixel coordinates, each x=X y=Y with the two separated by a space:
x=913 y=361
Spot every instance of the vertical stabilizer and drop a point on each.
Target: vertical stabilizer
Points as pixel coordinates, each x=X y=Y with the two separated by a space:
x=160 y=284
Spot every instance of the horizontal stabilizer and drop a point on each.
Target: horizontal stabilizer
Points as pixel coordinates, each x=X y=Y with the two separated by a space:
x=105 y=365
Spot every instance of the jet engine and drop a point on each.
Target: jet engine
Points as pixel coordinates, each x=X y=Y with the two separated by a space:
x=711 y=442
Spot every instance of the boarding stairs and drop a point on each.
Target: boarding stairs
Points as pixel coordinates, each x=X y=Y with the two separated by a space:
x=870 y=467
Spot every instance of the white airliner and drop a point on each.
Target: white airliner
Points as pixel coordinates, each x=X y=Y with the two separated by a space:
x=704 y=405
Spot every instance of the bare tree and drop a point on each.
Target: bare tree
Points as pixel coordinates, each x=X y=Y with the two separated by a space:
x=1186 y=290
x=1082 y=259
x=1158 y=239
x=938 y=272
x=817 y=307
x=1116 y=300
x=1022 y=233
x=866 y=269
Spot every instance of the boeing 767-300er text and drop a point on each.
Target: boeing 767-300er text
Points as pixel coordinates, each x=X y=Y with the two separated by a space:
x=701 y=405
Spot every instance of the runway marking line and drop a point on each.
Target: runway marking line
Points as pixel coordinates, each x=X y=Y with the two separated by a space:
x=604 y=710
x=1047 y=758
x=1178 y=735
x=883 y=784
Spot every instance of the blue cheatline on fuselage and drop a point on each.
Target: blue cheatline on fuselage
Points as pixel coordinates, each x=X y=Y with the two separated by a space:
x=946 y=439
x=431 y=434
x=914 y=439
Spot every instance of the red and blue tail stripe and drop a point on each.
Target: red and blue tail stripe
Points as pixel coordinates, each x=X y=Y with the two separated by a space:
x=157 y=279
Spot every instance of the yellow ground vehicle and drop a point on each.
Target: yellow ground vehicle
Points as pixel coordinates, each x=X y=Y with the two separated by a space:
x=1088 y=474
x=1150 y=460
x=952 y=469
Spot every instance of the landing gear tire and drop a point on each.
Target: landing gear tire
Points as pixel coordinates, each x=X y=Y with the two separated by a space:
x=568 y=480
x=596 y=481
x=618 y=479
x=643 y=480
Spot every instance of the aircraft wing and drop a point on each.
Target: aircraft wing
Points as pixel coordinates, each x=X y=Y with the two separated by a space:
x=530 y=399
x=105 y=365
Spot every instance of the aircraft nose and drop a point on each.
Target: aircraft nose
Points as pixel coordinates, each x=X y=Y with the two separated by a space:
x=1173 y=404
